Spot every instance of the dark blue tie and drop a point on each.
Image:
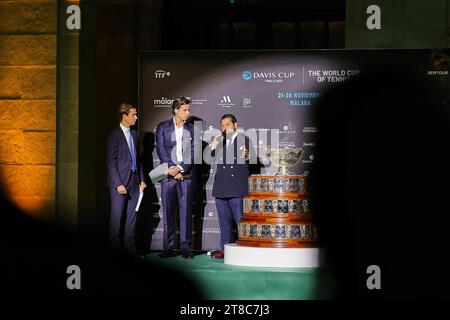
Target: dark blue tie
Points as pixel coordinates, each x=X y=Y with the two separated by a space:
x=133 y=155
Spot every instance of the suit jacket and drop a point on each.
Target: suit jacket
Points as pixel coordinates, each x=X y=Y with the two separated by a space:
x=166 y=142
x=231 y=178
x=119 y=158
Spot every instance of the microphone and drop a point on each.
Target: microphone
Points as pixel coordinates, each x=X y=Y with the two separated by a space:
x=222 y=136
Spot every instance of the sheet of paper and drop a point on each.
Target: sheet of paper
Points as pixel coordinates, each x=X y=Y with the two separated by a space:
x=141 y=195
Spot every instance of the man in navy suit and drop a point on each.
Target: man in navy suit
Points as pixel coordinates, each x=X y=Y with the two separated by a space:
x=232 y=152
x=125 y=178
x=175 y=146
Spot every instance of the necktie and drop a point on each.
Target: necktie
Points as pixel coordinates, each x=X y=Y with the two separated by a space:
x=133 y=155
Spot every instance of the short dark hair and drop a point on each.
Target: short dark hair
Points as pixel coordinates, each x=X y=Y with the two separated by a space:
x=178 y=102
x=124 y=108
x=229 y=116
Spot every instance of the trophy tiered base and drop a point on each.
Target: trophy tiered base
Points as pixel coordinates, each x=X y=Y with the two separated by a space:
x=276 y=214
x=276 y=228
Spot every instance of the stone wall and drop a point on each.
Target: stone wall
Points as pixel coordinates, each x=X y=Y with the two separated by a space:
x=28 y=47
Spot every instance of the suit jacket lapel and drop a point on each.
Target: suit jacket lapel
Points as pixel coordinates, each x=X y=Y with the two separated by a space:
x=171 y=132
x=135 y=141
x=186 y=138
x=124 y=141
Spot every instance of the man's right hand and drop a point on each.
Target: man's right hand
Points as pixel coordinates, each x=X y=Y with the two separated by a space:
x=121 y=189
x=179 y=177
x=215 y=142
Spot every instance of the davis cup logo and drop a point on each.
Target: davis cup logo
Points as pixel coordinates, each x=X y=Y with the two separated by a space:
x=246 y=75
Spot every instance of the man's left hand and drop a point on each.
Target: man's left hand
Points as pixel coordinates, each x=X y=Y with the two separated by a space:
x=143 y=185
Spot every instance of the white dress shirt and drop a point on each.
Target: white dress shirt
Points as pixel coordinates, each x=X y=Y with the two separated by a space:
x=126 y=132
x=232 y=138
x=179 y=143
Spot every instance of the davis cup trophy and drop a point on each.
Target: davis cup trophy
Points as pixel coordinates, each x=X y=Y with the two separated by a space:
x=283 y=158
x=276 y=212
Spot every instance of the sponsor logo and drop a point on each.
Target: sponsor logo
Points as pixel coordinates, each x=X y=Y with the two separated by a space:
x=288 y=144
x=437 y=73
x=211 y=230
x=309 y=129
x=310 y=159
x=246 y=75
x=161 y=74
x=162 y=103
x=285 y=130
x=270 y=77
x=208 y=219
x=309 y=144
x=226 y=99
x=198 y=101
x=246 y=102
x=226 y=102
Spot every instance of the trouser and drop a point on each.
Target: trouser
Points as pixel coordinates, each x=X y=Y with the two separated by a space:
x=123 y=215
x=229 y=210
x=175 y=194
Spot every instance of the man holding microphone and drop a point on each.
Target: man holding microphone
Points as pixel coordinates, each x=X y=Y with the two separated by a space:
x=231 y=153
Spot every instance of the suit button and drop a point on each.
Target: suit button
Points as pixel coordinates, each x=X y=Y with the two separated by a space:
x=231 y=167
x=232 y=175
x=223 y=167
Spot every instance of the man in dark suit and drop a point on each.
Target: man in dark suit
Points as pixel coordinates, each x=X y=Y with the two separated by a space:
x=232 y=155
x=125 y=178
x=175 y=146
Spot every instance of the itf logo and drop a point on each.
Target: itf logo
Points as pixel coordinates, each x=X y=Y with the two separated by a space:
x=246 y=75
x=161 y=74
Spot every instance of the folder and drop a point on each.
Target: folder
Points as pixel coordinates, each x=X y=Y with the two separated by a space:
x=159 y=173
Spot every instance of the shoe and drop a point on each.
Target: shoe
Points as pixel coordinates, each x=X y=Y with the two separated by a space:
x=187 y=254
x=218 y=255
x=167 y=254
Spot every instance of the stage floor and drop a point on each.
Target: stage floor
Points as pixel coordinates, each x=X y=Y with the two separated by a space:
x=226 y=282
